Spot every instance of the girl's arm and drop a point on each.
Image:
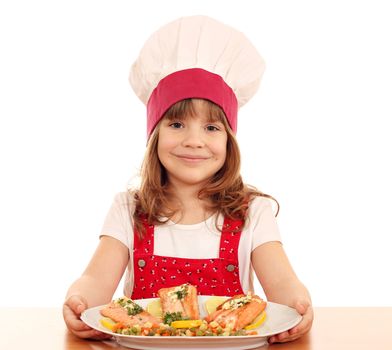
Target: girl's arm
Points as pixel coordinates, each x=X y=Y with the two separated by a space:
x=281 y=285
x=96 y=286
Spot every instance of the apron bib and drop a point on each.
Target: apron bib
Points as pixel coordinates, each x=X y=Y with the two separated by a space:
x=216 y=276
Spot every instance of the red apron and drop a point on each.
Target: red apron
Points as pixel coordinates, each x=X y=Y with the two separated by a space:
x=216 y=276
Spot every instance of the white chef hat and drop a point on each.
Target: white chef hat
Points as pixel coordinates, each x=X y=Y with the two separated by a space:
x=196 y=57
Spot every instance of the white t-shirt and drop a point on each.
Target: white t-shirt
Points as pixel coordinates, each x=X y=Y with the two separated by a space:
x=197 y=241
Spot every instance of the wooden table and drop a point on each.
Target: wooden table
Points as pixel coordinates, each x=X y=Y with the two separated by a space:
x=339 y=328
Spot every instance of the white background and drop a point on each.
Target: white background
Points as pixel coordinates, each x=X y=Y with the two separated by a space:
x=316 y=136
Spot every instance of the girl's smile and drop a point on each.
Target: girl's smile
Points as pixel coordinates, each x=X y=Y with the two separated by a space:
x=191 y=158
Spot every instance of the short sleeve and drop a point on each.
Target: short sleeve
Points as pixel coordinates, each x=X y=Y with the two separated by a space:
x=263 y=222
x=118 y=221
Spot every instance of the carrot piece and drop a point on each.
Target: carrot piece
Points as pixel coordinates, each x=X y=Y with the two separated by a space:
x=118 y=325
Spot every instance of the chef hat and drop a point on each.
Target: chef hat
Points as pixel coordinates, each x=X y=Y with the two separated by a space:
x=196 y=57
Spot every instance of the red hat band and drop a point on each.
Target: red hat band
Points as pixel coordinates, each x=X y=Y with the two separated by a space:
x=191 y=83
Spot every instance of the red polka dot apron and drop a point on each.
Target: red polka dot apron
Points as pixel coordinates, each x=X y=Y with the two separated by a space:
x=216 y=276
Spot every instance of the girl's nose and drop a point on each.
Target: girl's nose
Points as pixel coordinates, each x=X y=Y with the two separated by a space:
x=193 y=138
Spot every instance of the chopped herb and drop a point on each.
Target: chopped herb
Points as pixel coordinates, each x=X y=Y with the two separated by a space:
x=168 y=318
x=131 y=307
x=181 y=293
x=134 y=309
x=237 y=303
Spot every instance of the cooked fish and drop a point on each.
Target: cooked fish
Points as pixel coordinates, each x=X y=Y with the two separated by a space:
x=181 y=299
x=127 y=312
x=238 y=312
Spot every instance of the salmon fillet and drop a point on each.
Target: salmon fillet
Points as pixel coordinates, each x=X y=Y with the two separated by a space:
x=238 y=312
x=123 y=312
x=181 y=299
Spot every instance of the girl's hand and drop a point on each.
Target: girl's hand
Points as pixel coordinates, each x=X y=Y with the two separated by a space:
x=72 y=309
x=306 y=311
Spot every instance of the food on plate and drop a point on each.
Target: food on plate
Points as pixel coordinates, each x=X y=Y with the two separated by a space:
x=176 y=313
x=186 y=324
x=212 y=303
x=108 y=323
x=257 y=322
x=238 y=311
x=180 y=301
x=125 y=312
x=154 y=308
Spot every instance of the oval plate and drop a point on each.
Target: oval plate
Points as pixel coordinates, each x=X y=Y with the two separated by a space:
x=279 y=318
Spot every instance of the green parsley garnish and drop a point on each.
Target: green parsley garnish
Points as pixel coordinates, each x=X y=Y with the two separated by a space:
x=134 y=310
x=181 y=293
x=168 y=318
x=131 y=307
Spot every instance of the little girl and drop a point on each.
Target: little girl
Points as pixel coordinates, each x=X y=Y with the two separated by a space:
x=192 y=220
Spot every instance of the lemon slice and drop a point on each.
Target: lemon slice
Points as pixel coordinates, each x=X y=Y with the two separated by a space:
x=258 y=321
x=108 y=323
x=186 y=323
x=154 y=308
x=212 y=303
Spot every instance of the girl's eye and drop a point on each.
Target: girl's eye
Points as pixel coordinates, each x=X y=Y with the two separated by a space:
x=212 y=128
x=176 y=125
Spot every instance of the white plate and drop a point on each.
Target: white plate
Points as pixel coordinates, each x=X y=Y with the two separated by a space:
x=279 y=318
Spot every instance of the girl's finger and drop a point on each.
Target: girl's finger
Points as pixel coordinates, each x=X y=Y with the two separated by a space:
x=307 y=316
x=302 y=328
x=72 y=320
x=297 y=331
x=76 y=303
x=85 y=334
x=299 y=328
x=306 y=311
x=102 y=336
x=302 y=307
x=90 y=334
x=77 y=325
x=282 y=336
x=294 y=331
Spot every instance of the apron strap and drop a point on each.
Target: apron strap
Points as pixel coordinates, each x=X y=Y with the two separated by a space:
x=230 y=239
x=146 y=244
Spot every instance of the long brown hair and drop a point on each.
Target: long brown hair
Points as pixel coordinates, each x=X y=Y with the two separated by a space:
x=226 y=191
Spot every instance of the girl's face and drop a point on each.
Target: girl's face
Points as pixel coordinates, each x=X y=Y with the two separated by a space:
x=192 y=148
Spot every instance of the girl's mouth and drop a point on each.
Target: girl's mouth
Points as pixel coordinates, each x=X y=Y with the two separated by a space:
x=191 y=158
